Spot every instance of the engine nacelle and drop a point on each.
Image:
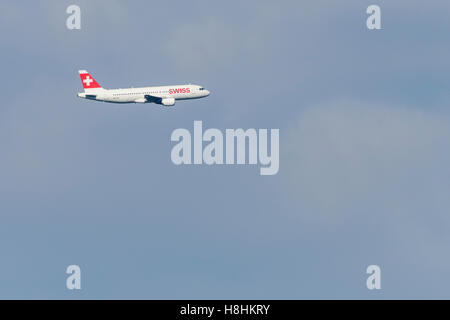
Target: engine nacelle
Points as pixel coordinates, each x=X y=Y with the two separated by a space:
x=168 y=101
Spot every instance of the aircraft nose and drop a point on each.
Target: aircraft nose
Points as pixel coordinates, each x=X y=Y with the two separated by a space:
x=207 y=93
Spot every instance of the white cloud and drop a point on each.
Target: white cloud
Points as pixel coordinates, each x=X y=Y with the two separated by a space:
x=344 y=150
x=352 y=162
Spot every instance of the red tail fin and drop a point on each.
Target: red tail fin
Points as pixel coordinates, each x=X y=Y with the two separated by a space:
x=87 y=80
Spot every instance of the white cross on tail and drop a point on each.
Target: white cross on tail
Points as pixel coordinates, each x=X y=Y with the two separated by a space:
x=88 y=81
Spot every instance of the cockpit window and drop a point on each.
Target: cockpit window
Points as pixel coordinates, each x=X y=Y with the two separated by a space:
x=202 y=89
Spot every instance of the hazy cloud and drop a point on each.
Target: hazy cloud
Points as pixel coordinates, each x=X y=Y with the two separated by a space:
x=351 y=161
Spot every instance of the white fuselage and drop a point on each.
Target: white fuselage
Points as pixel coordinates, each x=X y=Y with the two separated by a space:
x=167 y=94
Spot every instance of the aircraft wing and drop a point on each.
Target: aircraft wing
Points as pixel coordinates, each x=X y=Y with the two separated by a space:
x=154 y=99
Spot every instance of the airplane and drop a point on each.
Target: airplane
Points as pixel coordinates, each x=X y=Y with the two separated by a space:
x=164 y=95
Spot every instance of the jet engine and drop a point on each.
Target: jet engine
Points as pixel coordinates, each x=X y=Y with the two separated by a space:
x=168 y=101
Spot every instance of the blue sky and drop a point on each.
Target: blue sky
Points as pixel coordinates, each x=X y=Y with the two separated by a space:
x=364 y=150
